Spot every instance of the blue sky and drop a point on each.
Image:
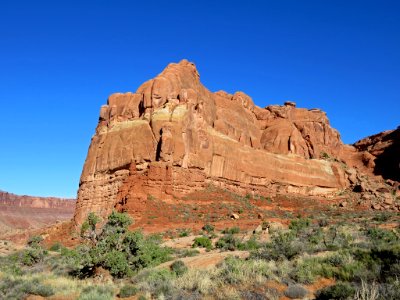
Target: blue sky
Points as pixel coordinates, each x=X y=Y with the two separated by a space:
x=60 y=60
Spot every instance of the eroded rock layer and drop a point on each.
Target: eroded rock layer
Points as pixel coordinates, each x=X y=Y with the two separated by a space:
x=19 y=213
x=173 y=136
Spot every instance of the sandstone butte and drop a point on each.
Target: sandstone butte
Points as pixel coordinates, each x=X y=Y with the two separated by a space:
x=173 y=137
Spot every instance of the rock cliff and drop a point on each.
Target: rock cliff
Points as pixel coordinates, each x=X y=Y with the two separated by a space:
x=173 y=136
x=381 y=153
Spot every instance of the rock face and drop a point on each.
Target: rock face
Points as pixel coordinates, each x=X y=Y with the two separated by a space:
x=26 y=212
x=173 y=136
x=381 y=153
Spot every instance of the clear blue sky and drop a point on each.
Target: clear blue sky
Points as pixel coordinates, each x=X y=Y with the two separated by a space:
x=59 y=61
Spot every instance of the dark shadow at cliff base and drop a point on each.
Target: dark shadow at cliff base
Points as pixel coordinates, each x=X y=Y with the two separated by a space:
x=388 y=163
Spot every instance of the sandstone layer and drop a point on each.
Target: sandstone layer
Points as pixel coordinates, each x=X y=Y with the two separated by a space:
x=173 y=136
x=382 y=153
x=18 y=213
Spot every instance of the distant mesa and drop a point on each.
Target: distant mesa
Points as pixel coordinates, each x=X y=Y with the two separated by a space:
x=19 y=213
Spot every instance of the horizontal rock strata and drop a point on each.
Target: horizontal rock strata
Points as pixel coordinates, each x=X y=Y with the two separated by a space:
x=173 y=136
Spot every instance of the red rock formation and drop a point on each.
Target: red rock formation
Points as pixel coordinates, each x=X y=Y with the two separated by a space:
x=381 y=153
x=26 y=212
x=173 y=136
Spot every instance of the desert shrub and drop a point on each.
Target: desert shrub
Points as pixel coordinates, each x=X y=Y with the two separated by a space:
x=324 y=155
x=389 y=291
x=41 y=290
x=323 y=222
x=117 y=263
x=156 y=282
x=252 y=295
x=116 y=249
x=341 y=291
x=339 y=259
x=202 y=242
x=295 y=291
x=282 y=245
x=234 y=271
x=178 y=267
x=31 y=256
x=367 y=291
x=184 y=232
x=228 y=242
x=381 y=217
x=11 y=264
x=186 y=252
x=354 y=271
x=306 y=271
x=145 y=251
x=299 y=224
x=232 y=230
x=208 y=228
x=18 y=288
x=35 y=241
x=250 y=244
x=88 y=228
x=337 y=237
x=127 y=290
x=379 y=236
x=56 y=247
x=34 y=252
x=98 y=292
x=381 y=264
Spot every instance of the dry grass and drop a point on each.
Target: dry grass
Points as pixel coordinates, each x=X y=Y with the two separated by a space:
x=367 y=291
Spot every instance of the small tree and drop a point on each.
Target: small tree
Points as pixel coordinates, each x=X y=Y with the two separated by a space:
x=115 y=248
x=88 y=228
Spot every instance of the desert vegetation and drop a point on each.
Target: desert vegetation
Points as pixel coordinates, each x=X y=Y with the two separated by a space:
x=310 y=258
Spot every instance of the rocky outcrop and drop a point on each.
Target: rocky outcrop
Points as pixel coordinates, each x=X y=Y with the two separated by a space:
x=173 y=136
x=381 y=153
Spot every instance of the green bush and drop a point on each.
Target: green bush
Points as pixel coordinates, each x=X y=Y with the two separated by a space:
x=307 y=270
x=299 y=224
x=232 y=243
x=250 y=244
x=127 y=290
x=117 y=263
x=340 y=291
x=381 y=217
x=17 y=288
x=295 y=291
x=283 y=244
x=179 y=268
x=202 y=242
x=233 y=230
x=35 y=241
x=158 y=282
x=184 y=232
x=88 y=227
x=33 y=256
x=97 y=293
x=56 y=247
x=208 y=228
x=381 y=236
x=228 y=242
x=116 y=249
